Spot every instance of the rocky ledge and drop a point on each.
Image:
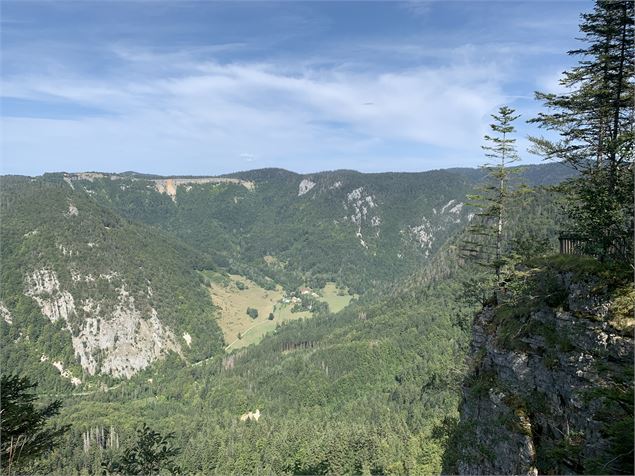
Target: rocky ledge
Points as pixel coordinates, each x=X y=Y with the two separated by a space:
x=551 y=384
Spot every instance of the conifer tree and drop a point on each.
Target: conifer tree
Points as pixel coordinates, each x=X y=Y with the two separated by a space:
x=25 y=433
x=594 y=121
x=153 y=453
x=485 y=245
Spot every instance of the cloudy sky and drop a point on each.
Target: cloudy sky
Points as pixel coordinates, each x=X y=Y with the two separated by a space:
x=204 y=88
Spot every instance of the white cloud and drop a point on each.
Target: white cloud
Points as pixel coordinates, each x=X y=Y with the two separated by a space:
x=550 y=83
x=210 y=113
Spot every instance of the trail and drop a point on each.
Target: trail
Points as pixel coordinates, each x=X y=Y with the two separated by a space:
x=82 y=394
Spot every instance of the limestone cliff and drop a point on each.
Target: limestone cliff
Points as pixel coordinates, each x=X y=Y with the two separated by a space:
x=551 y=385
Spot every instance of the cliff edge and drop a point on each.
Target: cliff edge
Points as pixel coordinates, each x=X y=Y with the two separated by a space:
x=550 y=389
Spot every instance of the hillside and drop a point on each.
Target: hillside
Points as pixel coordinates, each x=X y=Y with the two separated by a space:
x=383 y=374
x=93 y=262
x=86 y=292
x=380 y=382
x=366 y=390
x=360 y=230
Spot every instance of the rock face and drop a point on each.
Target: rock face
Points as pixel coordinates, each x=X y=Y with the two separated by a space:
x=109 y=338
x=361 y=205
x=305 y=186
x=5 y=314
x=550 y=391
x=169 y=186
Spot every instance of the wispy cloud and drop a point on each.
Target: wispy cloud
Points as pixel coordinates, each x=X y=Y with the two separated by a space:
x=266 y=107
x=204 y=87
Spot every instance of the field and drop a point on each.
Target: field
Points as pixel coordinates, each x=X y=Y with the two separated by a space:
x=233 y=294
x=333 y=299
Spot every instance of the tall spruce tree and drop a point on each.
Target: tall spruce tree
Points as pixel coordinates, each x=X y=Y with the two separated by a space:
x=24 y=431
x=485 y=245
x=594 y=121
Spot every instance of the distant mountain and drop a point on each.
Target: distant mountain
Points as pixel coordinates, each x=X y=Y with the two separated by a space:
x=99 y=270
x=358 y=229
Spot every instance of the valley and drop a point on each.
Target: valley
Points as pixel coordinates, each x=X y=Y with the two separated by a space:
x=293 y=316
x=174 y=301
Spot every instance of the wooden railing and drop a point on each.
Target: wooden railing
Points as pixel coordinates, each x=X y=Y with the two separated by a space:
x=571 y=245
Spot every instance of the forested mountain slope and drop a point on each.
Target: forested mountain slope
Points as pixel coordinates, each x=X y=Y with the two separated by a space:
x=91 y=287
x=374 y=388
x=367 y=390
x=360 y=230
x=87 y=292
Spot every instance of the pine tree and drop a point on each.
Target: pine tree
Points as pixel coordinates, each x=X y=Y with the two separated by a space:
x=152 y=453
x=594 y=120
x=485 y=245
x=24 y=428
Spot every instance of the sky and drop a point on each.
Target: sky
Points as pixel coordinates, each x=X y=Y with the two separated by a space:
x=206 y=88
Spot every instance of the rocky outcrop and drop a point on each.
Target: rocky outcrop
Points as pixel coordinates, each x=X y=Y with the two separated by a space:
x=43 y=286
x=361 y=205
x=550 y=389
x=169 y=186
x=305 y=186
x=5 y=314
x=111 y=339
x=425 y=233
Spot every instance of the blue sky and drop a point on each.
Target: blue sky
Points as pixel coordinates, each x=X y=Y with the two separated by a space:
x=204 y=88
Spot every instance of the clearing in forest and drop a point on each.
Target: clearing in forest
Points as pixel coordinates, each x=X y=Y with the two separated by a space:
x=337 y=299
x=233 y=294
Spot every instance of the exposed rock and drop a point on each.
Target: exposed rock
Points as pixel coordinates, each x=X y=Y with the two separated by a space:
x=69 y=182
x=250 y=416
x=423 y=234
x=5 y=314
x=119 y=341
x=169 y=186
x=361 y=206
x=447 y=205
x=305 y=186
x=543 y=384
x=126 y=341
x=90 y=176
x=187 y=338
x=63 y=372
x=72 y=210
x=43 y=286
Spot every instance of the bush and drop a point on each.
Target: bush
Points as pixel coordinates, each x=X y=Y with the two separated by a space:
x=251 y=312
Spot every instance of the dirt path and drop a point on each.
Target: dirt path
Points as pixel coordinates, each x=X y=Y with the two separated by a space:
x=82 y=394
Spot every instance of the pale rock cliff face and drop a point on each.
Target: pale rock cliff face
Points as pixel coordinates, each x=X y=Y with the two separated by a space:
x=169 y=186
x=43 y=286
x=72 y=210
x=117 y=340
x=425 y=233
x=361 y=207
x=5 y=314
x=305 y=186
x=540 y=390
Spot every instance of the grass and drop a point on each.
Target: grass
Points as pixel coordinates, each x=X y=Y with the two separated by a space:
x=330 y=295
x=232 y=294
x=233 y=302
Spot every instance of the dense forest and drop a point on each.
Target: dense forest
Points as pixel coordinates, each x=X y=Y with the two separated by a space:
x=489 y=330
